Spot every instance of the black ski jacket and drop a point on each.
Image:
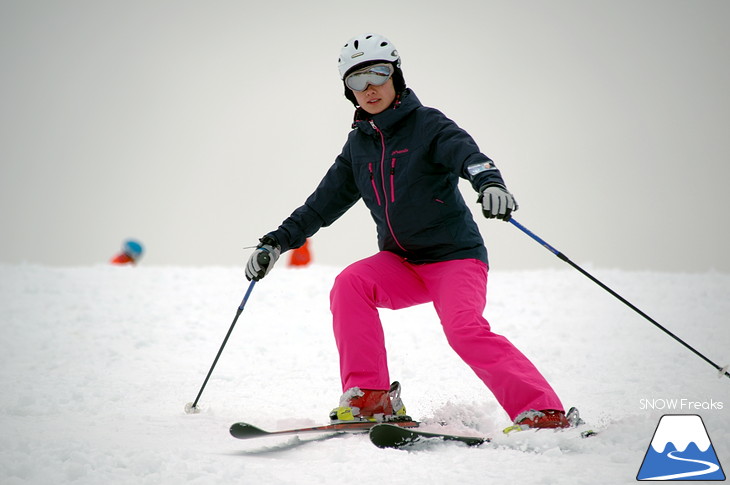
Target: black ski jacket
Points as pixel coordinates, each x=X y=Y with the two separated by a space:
x=405 y=164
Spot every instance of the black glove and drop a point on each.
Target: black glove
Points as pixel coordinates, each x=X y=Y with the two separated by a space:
x=263 y=259
x=497 y=202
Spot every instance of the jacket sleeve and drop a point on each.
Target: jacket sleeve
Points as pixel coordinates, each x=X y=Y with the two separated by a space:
x=334 y=195
x=456 y=149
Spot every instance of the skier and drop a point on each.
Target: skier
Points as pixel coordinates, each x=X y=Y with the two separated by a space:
x=131 y=253
x=404 y=160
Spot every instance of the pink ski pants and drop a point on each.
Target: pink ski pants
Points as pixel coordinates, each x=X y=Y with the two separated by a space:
x=458 y=292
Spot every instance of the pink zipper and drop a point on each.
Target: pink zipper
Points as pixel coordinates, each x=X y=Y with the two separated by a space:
x=382 y=177
x=372 y=181
x=392 y=177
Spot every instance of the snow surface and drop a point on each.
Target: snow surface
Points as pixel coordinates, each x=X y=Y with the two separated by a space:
x=97 y=364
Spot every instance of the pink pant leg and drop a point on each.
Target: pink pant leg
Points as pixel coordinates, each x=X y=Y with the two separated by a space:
x=380 y=281
x=458 y=289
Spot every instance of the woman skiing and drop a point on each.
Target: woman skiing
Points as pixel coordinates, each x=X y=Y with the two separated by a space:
x=405 y=160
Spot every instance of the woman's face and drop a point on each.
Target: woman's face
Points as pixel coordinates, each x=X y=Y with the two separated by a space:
x=376 y=99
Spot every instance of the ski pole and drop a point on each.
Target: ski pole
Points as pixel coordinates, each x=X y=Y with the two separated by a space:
x=722 y=371
x=192 y=407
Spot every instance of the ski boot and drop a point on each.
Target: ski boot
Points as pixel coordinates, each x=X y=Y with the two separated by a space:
x=370 y=405
x=545 y=419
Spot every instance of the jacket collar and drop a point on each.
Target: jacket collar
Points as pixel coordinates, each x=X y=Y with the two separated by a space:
x=388 y=119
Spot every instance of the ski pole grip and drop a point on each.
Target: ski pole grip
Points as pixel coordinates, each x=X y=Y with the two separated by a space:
x=263 y=258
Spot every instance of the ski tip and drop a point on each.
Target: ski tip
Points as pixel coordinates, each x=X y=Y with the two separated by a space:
x=244 y=431
x=392 y=436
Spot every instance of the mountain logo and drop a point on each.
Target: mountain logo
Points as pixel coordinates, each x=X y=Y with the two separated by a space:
x=681 y=450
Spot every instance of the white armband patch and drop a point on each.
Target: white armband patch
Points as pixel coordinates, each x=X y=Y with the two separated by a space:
x=480 y=167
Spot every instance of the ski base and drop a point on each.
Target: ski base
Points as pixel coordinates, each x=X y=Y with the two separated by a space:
x=387 y=435
x=244 y=431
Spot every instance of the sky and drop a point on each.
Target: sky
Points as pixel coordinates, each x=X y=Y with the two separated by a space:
x=197 y=127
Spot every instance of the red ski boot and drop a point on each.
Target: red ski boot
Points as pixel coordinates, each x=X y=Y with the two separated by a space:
x=370 y=405
x=547 y=418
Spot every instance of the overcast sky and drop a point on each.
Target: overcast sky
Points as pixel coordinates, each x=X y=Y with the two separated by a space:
x=197 y=127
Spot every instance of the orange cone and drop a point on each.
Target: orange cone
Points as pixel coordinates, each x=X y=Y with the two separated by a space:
x=301 y=255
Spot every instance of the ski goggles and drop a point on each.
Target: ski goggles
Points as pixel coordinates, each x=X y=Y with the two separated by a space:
x=375 y=75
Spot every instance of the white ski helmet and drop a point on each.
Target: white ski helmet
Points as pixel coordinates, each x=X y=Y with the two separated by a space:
x=366 y=48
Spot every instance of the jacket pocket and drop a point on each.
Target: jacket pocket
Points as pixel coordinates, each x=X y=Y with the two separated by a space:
x=397 y=174
x=372 y=183
x=392 y=179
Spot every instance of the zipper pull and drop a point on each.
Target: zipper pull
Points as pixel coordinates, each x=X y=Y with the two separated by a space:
x=372 y=123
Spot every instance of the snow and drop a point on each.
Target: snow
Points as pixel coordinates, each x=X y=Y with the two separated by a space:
x=97 y=364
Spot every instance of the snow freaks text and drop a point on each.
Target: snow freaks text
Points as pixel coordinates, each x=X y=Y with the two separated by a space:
x=677 y=404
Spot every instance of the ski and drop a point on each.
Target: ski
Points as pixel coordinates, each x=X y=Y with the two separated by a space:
x=516 y=429
x=245 y=431
x=385 y=435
